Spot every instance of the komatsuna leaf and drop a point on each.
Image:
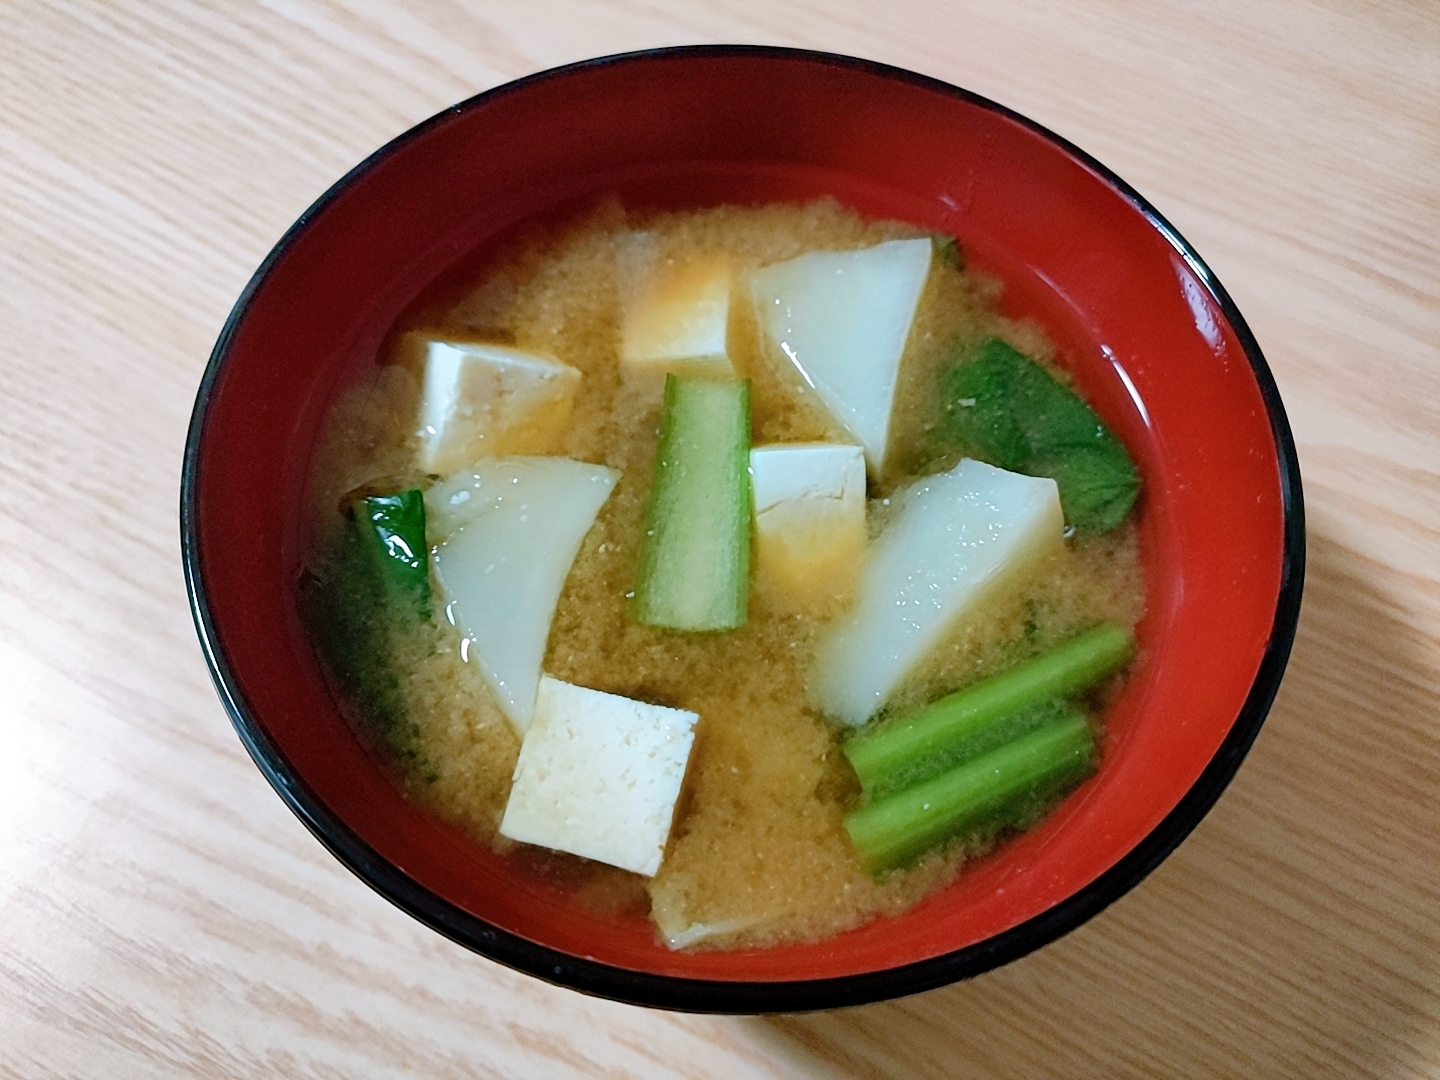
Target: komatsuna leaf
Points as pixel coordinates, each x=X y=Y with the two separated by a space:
x=1007 y=410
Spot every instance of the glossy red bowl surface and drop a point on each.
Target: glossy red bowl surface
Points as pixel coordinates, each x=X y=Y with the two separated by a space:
x=1149 y=334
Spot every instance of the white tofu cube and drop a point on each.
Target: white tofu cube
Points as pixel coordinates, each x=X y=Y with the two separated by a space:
x=809 y=523
x=675 y=313
x=598 y=776
x=956 y=536
x=842 y=319
x=506 y=533
x=480 y=400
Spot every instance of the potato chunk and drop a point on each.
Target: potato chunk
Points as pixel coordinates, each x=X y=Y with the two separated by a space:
x=955 y=537
x=506 y=533
x=842 y=319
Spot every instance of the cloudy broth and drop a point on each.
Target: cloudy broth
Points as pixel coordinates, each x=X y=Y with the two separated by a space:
x=757 y=852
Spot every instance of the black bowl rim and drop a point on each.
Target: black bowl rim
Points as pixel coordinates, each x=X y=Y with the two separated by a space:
x=698 y=995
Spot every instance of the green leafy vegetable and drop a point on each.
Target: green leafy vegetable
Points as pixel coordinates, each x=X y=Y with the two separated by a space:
x=368 y=593
x=909 y=749
x=1009 y=411
x=393 y=527
x=695 y=562
x=948 y=251
x=1097 y=486
x=1002 y=788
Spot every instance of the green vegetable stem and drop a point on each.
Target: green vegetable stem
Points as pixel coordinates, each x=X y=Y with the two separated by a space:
x=972 y=721
x=695 y=560
x=998 y=789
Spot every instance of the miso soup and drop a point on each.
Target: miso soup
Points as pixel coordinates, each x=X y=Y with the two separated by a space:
x=698 y=378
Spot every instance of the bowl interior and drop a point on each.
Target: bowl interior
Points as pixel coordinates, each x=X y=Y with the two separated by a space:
x=1137 y=323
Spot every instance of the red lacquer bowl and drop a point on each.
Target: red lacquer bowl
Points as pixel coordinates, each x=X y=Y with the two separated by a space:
x=1151 y=337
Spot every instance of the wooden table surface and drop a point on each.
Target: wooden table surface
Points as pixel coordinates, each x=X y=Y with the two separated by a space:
x=163 y=915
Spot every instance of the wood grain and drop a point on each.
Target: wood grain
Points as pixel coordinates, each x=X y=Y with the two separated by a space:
x=161 y=913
